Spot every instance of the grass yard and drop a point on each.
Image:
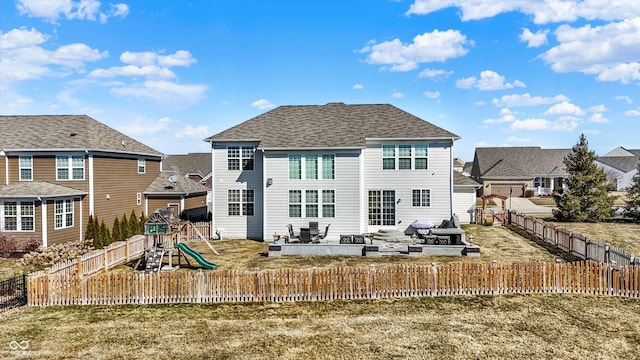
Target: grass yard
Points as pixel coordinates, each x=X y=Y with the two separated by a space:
x=624 y=235
x=463 y=327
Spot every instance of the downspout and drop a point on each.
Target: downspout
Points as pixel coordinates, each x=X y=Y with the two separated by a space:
x=264 y=197
x=6 y=169
x=451 y=179
x=43 y=206
x=91 y=187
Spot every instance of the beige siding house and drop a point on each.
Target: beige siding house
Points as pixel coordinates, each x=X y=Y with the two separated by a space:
x=357 y=168
x=56 y=171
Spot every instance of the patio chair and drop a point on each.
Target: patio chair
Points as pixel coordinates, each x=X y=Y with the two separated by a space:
x=292 y=234
x=313 y=229
x=326 y=231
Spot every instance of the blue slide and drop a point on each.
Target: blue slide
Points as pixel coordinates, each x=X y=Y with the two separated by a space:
x=196 y=255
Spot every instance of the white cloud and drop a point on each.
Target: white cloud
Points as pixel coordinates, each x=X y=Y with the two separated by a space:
x=198 y=132
x=610 y=51
x=531 y=124
x=565 y=108
x=489 y=80
x=515 y=139
x=164 y=92
x=527 y=100
x=145 y=126
x=52 y=10
x=598 y=118
x=263 y=104
x=480 y=103
x=600 y=108
x=149 y=71
x=624 y=98
x=358 y=87
x=435 y=46
x=23 y=58
x=543 y=11
x=434 y=73
x=432 y=94
x=534 y=40
x=397 y=95
x=505 y=116
x=632 y=112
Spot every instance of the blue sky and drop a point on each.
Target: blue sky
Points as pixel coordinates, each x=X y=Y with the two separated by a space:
x=170 y=73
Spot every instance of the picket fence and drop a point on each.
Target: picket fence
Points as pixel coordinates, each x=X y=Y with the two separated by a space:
x=573 y=243
x=278 y=285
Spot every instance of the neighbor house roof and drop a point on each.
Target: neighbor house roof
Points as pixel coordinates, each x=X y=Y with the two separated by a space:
x=65 y=133
x=460 y=179
x=518 y=162
x=622 y=163
x=37 y=189
x=192 y=163
x=331 y=125
x=163 y=185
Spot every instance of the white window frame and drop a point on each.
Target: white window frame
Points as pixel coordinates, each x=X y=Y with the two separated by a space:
x=421 y=198
x=64 y=214
x=397 y=156
x=381 y=220
x=138 y=198
x=69 y=167
x=19 y=216
x=242 y=202
x=30 y=167
x=305 y=159
x=244 y=154
x=319 y=205
x=142 y=166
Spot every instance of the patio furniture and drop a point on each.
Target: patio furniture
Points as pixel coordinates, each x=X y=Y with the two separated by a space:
x=346 y=239
x=292 y=234
x=313 y=230
x=326 y=231
x=305 y=235
x=358 y=239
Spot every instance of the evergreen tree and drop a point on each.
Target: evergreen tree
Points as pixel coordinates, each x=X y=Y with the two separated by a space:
x=116 y=234
x=143 y=220
x=90 y=232
x=134 y=223
x=125 y=229
x=632 y=207
x=105 y=235
x=586 y=197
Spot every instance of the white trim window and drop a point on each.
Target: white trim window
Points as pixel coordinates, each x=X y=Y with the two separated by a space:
x=142 y=165
x=382 y=207
x=138 y=198
x=240 y=155
x=407 y=157
x=69 y=167
x=240 y=202
x=312 y=167
x=17 y=216
x=26 y=167
x=63 y=217
x=309 y=205
x=421 y=197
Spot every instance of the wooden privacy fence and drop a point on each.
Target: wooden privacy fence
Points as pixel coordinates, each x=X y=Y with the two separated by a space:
x=197 y=231
x=334 y=283
x=573 y=243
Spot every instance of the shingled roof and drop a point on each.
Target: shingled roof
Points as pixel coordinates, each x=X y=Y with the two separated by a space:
x=65 y=132
x=35 y=189
x=162 y=185
x=331 y=125
x=622 y=163
x=191 y=163
x=518 y=162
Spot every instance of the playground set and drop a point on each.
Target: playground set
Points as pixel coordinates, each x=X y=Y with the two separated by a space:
x=164 y=236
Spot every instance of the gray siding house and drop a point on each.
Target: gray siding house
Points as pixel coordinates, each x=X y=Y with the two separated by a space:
x=620 y=165
x=359 y=168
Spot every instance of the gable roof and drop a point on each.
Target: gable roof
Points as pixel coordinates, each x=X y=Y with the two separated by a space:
x=161 y=185
x=66 y=133
x=518 y=162
x=331 y=125
x=459 y=179
x=191 y=163
x=622 y=163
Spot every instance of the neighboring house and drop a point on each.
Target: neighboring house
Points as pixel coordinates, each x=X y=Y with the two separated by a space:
x=511 y=171
x=57 y=170
x=195 y=166
x=175 y=190
x=359 y=168
x=464 y=196
x=620 y=165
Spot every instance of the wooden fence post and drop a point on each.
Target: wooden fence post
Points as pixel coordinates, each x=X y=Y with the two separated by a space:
x=106 y=258
x=434 y=271
x=79 y=269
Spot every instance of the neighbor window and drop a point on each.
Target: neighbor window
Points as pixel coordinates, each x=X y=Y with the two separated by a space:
x=138 y=198
x=18 y=216
x=388 y=157
x=237 y=155
x=408 y=157
x=142 y=166
x=63 y=214
x=421 y=198
x=70 y=167
x=26 y=167
x=328 y=203
x=422 y=157
x=240 y=202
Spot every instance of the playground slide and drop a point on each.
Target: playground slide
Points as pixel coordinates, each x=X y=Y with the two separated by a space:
x=196 y=255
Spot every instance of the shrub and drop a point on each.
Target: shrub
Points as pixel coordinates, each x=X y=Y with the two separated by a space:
x=46 y=257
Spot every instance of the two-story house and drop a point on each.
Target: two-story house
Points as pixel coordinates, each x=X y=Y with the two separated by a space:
x=359 y=168
x=57 y=170
x=620 y=165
